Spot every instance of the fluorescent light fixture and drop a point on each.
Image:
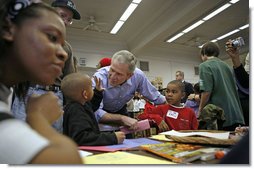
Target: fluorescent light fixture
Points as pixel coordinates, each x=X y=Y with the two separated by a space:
x=228 y=34
x=222 y=8
x=193 y=26
x=117 y=26
x=217 y=11
x=175 y=37
x=243 y=27
x=128 y=11
x=125 y=16
x=234 y=1
x=136 y=1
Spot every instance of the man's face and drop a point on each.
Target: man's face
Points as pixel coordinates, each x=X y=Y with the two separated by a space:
x=65 y=14
x=178 y=76
x=118 y=73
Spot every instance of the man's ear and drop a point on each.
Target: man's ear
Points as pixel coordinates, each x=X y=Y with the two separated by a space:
x=8 y=30
x=129 y=75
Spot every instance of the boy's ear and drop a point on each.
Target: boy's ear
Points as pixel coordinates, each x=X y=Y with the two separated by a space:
x=84 y=94
x=8 y=30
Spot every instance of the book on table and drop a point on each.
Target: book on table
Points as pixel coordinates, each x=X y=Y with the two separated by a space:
x=177 y=152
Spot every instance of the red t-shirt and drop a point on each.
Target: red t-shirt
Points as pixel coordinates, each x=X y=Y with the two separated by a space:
x=177 y=118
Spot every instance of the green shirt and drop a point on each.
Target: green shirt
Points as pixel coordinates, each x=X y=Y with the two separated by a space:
x=217 y=78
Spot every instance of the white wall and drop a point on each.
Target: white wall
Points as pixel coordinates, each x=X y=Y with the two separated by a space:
x=162 y=64
x=166 y=69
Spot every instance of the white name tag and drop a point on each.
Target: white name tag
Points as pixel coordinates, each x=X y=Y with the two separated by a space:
x=172 y=114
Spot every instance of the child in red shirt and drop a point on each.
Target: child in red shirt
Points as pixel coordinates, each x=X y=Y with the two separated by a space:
x=173 y=116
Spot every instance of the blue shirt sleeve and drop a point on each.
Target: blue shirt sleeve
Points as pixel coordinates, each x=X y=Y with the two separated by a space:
x=149 y=91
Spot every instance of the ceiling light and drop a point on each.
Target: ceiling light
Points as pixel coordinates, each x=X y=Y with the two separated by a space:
x=243 y=27
x=215 y=40
x=125 y=16
x=128 y=11
x=234 y=1
x=175 y=37
x=228 y=34
x=203 y=20
x=193 y=26
x=117 y=26
x=217 y=11
x=136 y=1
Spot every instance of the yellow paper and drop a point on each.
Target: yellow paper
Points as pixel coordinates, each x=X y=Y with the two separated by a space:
x=160 y=137
x=120 y=157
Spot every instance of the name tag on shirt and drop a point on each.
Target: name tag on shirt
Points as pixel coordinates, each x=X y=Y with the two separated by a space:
x=172 y=114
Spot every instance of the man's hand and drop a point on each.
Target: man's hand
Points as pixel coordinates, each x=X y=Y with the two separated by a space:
x=163 y=126
x=233 y=53
x=128 y=121
x=98 y=84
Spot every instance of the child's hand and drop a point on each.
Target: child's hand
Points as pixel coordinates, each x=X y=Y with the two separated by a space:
x=47 y=105
x=120 y=137
x=163 y=126
x=98 y=84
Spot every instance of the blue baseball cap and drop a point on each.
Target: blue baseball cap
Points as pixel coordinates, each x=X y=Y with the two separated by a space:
x=68 y=4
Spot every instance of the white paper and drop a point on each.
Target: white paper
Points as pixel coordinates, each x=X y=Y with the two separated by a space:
x=219 y=135
x=84 y=153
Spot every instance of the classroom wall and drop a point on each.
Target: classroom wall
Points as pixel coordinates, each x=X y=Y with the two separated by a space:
x=162 y=63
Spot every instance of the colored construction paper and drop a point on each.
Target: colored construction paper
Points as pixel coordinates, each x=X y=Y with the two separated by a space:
x=141 y=125
x=128 y=143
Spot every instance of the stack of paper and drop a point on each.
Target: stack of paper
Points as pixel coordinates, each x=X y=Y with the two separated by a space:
x=217 y=135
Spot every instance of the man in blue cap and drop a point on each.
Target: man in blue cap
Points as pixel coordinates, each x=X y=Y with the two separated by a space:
x=67 y=10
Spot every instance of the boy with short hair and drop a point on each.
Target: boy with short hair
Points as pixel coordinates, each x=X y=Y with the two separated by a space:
x=79 y=121
x=173 y=116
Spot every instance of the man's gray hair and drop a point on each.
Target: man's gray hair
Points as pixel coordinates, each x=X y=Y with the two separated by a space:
x=126 y=57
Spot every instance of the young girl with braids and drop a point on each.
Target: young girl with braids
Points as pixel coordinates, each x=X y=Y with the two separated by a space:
x=31 y=47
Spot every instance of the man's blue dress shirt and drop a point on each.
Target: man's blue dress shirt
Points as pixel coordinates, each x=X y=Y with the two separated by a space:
x=114 y=98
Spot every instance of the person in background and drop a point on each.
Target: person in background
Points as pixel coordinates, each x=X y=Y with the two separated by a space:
x=75 y=62
x=79 y=120
x=67 y=11
x=121 y=80
x=240 y=153
x=33 y=35
x=139 y=102
x=242 y=79
x=173 y=115
x=218 y=87
x=104 y=62
x=188 y=86
x=193 y=99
